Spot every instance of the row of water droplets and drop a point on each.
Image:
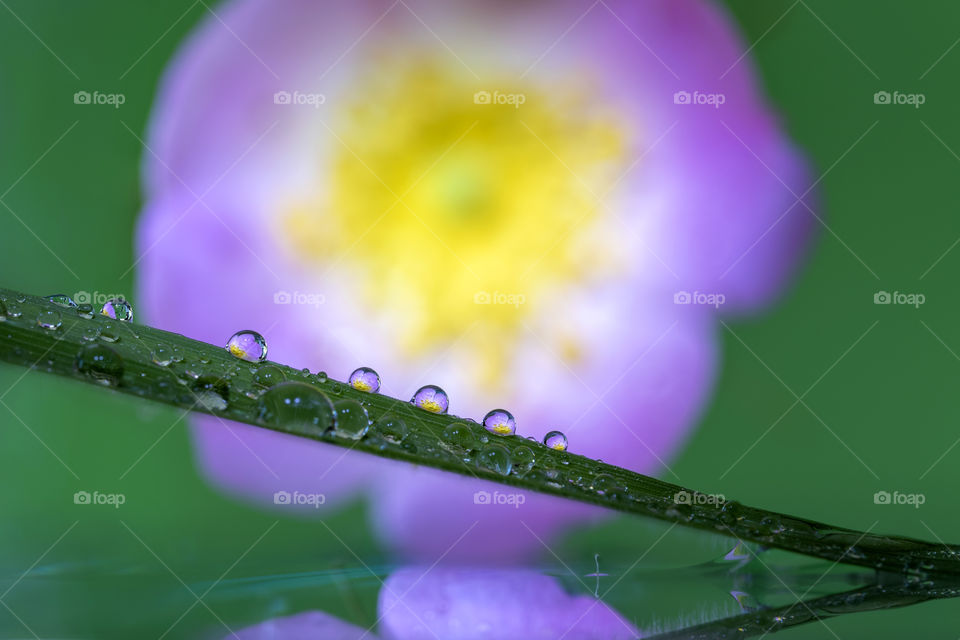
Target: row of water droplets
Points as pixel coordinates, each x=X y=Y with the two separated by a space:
x=302 y=406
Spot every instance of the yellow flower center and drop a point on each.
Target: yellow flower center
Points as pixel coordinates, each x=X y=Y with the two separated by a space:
x=455 y=215
x=431 y=405
x=502 y=429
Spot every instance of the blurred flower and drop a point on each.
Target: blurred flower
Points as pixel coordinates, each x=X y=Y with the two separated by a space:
x=540 y=206
x=468 y=604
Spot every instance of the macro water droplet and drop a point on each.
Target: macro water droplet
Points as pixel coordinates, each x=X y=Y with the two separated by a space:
x=247 y=345
x=322 y=376
x=108 y=333
x=392 y=428
x=90 y=333
x=162 y=355
x=459 y=435
x=297 y=406
x=62 y=300
x=211 y=392
x=3 y=311
x=365 y=379
x=500 y=422
x=555 y=440
x=117 y=309
x=523 y=461
x=85 y=310
x=431 y=398
x=100 y=363
x=268 y=375
x=605 y=484
x=352 y=419
x=495 y=457
x=49 y=320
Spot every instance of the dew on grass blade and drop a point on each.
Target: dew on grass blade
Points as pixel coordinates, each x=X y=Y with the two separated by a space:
x=391 y=428
x=100 y=363
x=495 y=457
x=62 y=300
x=50 y=320
x=556 y=440
x=431 y=398
x=297 y=406
x=500 y=422
x=365 y=379
x=352 y=419
x=117 y=309
x=247 y=345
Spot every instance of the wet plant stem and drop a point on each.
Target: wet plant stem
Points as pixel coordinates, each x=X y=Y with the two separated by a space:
x=25 y=342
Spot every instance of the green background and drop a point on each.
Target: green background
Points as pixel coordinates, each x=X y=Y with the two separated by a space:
x=876 y=418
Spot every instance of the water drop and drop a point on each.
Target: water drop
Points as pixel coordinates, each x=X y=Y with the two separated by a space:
x=392 y=428
x=268 y=375
x=555 y=440
x=162 y=355
x=90 y=333
x=523 y=461
x=85 y=310
x=365 y=379
x=322 y=376
x=495 y=457
x=49 y=320
x=431 y=398
x=108 y=333
x=247 y=345
x=3 y=311
x=352 y=419
x=13 y=311
x=459 y=435
x=62 y=300
x=297 y=406
x=117 y=309
x=500 y=422
x=211 y=392
x=101 y=363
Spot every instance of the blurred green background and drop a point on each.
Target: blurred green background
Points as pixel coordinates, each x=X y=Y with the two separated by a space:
x=877 y=411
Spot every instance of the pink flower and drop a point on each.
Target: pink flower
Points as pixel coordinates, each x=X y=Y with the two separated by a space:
x=468 y=604
x=540 y=206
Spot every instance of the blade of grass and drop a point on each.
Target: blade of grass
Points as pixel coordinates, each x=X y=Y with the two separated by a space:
x=205 y=367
